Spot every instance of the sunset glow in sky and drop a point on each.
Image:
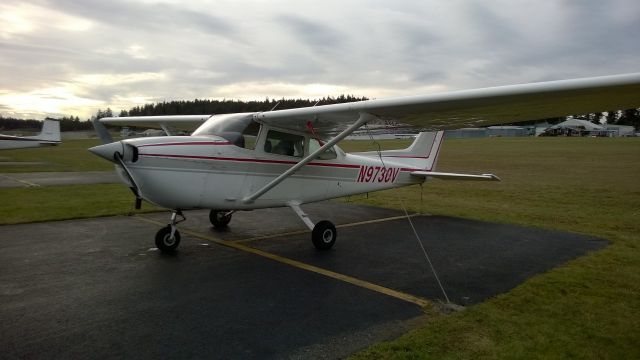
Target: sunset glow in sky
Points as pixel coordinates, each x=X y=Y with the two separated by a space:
x=75 y=57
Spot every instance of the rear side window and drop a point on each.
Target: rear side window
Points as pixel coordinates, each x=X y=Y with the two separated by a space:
x=284 y=144
x=328 y=154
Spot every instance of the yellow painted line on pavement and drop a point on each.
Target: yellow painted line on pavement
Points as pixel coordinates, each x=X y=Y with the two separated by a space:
x=264 y=237
x=25 y=182
x=376 y=220
x=300 y=265
x=299 y=232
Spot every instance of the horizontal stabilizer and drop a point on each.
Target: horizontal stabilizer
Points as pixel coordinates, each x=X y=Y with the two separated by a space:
x=178 y=122
x=455 y=176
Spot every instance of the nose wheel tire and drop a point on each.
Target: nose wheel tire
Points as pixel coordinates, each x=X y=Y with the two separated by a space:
x=165 y=241
x=219 y=219
x=324 y=235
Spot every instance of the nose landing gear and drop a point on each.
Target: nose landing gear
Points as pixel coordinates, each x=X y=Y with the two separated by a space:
x=168 y=238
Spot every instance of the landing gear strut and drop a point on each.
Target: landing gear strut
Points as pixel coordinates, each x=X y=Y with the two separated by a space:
x=168 y=238
x=323 y=234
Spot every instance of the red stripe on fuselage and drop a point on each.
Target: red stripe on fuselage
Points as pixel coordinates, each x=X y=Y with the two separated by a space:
x=262 y=161
x=189 y=143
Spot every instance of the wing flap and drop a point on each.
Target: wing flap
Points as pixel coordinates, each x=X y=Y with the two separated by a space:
x=455 y=176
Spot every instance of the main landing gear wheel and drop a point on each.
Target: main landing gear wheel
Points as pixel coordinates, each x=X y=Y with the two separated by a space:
x=166 y=241
x=220 y=219
x=324 y=235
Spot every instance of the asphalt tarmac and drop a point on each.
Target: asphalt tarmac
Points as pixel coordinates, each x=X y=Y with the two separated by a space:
x=33 y=179
x=98 y=288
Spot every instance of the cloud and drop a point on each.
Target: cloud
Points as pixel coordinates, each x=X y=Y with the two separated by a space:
x=312 y=34
x=147 y=17
x=119 y=53
x=43 y=102
x=24 y=18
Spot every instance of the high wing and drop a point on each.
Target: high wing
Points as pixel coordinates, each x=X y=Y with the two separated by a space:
x=450 y=110
x=472 y=108
x=468 y=108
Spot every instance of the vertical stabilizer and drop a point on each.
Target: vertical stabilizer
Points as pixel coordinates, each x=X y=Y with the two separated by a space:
x=50 y=131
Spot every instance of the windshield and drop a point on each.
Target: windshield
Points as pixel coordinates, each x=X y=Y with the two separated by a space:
x=240 y=129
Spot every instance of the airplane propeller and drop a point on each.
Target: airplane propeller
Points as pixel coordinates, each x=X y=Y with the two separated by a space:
x=115 y=152
x=134 y=187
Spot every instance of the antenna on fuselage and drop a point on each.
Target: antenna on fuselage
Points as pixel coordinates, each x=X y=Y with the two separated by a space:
x=275 y=106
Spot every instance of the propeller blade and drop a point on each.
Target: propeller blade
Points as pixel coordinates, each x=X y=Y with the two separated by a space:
x=134 y=187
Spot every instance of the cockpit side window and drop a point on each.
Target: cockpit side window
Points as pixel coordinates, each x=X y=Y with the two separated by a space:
x=250 y=135
x=328 y=154
x=284 y=144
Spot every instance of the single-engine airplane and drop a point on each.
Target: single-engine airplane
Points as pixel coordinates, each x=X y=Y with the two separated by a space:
x=247 y=161
x=48 y=136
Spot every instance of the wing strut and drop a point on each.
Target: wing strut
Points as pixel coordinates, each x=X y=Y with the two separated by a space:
x=364 y=117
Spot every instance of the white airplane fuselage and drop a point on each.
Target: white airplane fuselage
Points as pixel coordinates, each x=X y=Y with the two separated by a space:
x=251 y=166
x=189 y=172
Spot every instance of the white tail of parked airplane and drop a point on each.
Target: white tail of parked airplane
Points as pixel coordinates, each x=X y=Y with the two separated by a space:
x=50 y=131
x=48 y=136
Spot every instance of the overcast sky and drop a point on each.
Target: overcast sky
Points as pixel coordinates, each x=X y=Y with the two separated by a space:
x=74 y=57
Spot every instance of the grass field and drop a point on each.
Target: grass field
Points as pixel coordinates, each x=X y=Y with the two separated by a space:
x=70 y=155
x=587 y=308
x=22 y=205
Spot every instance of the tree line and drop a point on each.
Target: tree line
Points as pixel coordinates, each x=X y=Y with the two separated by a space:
x=619 y=117
x=67 y=123
x=206 y=106
x=180 y=107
